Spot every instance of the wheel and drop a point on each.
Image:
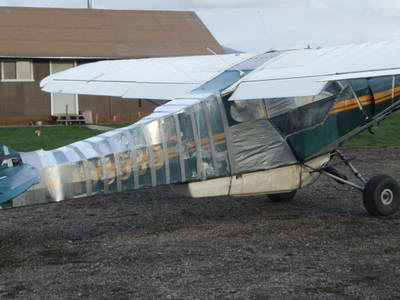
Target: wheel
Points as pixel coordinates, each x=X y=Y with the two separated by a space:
x=382 y=196
x=282 y=197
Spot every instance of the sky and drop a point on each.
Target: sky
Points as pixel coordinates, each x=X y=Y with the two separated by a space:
x=260 y=25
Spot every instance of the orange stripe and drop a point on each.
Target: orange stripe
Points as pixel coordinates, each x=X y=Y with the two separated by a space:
x=351 y=103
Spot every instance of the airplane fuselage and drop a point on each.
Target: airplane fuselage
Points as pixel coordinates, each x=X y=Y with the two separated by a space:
x=213 y=146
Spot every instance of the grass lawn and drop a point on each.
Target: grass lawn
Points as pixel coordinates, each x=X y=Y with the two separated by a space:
x=24 y=138
x=387 y=134
x=115 y=125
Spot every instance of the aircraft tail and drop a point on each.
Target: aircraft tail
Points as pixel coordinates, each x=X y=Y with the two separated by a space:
x=15 y=176
x=6 y=157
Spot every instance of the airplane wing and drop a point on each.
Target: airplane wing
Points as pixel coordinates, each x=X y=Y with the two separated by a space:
x=152 y=78
x=305 y=72
x=293 y=73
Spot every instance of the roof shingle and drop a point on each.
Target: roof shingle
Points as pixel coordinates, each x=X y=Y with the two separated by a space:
x=94 y=33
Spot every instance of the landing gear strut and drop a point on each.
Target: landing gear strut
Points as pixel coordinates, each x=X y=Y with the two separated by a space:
x=381 y=193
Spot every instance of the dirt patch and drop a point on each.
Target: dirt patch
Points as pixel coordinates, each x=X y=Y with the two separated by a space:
x=152 y=244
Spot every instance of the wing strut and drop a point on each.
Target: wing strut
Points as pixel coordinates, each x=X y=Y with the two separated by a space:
x=358 y=101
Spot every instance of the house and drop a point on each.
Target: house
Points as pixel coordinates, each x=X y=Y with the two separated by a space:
x=36 y=42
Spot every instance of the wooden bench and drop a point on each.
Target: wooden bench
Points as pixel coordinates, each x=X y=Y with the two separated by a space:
x=70 y=119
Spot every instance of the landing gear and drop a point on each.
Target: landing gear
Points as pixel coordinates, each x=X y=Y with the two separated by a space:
x=284 y=197
x=381 y=194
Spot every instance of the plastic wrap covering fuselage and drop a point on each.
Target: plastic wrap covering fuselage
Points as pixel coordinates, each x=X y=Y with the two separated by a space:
x=187 y=140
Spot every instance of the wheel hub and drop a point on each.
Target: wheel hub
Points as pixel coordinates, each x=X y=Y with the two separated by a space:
x=387 y=196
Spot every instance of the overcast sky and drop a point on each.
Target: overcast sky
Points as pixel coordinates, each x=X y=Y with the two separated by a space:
x=256 y=25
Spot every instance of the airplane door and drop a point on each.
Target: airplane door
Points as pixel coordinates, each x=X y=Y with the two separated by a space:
x=60 y=102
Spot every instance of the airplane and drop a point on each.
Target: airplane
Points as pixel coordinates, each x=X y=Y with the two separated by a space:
x=236 y=124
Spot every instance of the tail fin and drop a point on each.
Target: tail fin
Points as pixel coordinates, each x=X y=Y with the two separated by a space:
x=7 y=157
x=15 y=176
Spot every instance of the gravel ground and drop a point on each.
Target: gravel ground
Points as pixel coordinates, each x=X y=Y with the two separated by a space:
x=152 y=244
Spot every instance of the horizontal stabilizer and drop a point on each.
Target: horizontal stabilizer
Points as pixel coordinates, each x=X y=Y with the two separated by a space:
x=16 y=180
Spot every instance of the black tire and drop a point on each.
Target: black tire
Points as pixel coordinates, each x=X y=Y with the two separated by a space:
x=283 y=197
x=381 y=196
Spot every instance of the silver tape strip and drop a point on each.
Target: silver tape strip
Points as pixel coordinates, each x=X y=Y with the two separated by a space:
x=211 y=138
x=135 y=169
x=105 y=174
x=118 y=171
x=87 y=170
x=180 y=148
x=151 y=156
x=199 y=159
x=228 y=134
x=165 y=153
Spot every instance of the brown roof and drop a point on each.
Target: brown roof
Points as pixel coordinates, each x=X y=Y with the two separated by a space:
x=94 y=33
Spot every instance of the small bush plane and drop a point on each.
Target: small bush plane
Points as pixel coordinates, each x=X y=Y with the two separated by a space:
x=237 y=124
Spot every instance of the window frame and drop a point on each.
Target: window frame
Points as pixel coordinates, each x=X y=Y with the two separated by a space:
x=32 y=79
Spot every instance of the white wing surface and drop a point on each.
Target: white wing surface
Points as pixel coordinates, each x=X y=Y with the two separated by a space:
x=152 y=78
x=305 y=72
x=293 y=73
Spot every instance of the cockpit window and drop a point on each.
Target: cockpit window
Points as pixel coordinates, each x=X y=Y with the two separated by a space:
x=361 y=88
x=307 y=112
x=331 y=89
x=279 y=106
x=248 y=110
x=245 y=111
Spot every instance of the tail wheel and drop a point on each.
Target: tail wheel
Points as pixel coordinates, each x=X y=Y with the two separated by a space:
x=283 y=197
x=382 y=196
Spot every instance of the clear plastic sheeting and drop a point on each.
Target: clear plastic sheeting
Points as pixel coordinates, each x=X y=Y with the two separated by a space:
x=245 y=111
x=279 y=106
x=185 y=146
x=192 y=144
x=258 y=146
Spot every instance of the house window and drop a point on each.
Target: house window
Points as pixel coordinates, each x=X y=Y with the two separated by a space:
x=21 y=70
